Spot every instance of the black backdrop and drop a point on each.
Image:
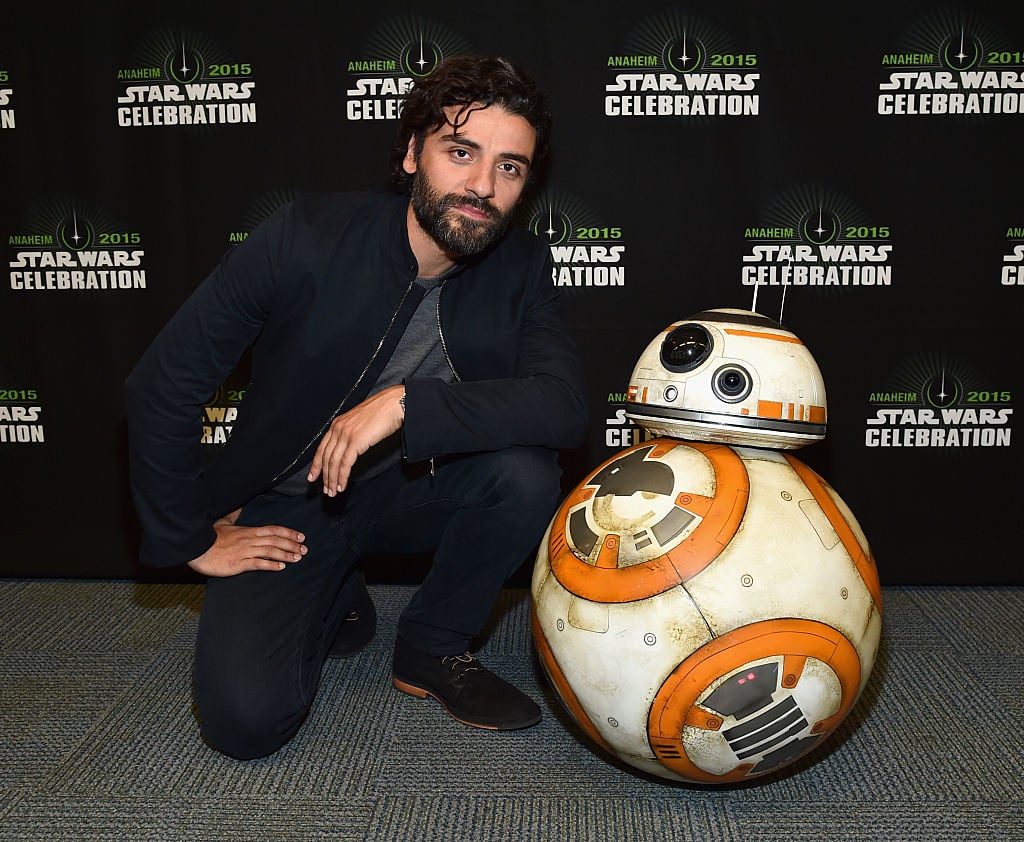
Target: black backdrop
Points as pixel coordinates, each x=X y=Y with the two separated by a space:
x=860 y=162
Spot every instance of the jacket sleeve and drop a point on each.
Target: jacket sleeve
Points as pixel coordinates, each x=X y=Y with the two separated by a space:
x=541 y=404
x=169 y=386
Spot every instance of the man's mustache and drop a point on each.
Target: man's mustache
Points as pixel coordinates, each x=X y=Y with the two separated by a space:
x=451 y=200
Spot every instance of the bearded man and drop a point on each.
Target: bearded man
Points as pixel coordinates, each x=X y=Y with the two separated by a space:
x=412 y=382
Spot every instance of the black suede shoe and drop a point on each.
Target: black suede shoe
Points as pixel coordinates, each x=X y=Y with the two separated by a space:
x=469 y=691
x=359 y=626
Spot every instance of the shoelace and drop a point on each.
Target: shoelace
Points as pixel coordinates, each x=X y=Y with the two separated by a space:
x=461 y=664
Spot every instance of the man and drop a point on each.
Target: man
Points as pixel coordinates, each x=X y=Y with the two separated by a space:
x=412 y=381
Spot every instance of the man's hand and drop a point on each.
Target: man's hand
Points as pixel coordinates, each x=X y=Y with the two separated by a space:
x=242 y=548
x=352 y=434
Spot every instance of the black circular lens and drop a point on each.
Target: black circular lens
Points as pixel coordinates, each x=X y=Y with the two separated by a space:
x=731 y=383
x=685 y=348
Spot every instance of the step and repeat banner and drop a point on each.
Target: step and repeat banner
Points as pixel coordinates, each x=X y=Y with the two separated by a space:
x=851 y=171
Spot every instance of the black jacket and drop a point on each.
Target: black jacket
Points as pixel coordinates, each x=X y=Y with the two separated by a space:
x=325 y=289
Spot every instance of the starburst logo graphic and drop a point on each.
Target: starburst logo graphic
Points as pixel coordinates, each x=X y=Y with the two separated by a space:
x=821 y=226
x=942 y=390
x=685 y=53
x=585 y=253
x=961 y=53
x=682 y=42
x=956 y=40
x=183 y=55
x=422 y=58
x=551 y=224
x=72 y=224
x=934 y=379
x=75 y=234
x=189 y=68
x=415 y=45
x=265 y=206
x=814 y=214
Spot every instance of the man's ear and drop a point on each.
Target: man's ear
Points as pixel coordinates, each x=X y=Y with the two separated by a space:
x=409 y=161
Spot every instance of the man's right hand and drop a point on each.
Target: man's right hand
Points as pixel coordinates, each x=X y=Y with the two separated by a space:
x=239 y=549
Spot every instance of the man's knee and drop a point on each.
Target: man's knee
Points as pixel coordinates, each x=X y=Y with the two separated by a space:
x=246 y=706
x=523 y=480
x=522 y=474
x=244 y=725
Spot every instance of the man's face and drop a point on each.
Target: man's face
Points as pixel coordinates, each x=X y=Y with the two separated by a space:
x=468 y=182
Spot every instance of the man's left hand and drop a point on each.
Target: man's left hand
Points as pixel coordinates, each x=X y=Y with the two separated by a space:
x=352 y=434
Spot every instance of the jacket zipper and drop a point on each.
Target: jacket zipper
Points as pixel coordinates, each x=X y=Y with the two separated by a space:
x=440 y=333
x=444 y=349
x=354 y=386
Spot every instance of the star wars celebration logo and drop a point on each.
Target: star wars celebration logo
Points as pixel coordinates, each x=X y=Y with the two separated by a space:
x=812 y=237
x=619 y=430
x=68 y=247
x=673 y=65
x=1013 y=259
x=21 y=412
x=938 y=403
x=221 y=412
x=6 y=100
x=394 y=57
x=585 y=251
x=184 y=79
x=953 y=64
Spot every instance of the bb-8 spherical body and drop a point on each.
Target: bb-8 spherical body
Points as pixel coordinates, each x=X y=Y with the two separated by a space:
x=707 y=613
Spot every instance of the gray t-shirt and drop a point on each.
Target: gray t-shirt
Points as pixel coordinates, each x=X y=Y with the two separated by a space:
x=419 y=353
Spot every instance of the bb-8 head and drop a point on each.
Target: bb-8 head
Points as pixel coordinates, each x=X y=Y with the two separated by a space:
x=729 y=376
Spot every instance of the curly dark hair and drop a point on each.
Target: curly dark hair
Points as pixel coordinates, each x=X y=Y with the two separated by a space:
x=467 y=81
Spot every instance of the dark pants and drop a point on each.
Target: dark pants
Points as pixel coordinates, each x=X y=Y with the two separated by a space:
x=264 y=636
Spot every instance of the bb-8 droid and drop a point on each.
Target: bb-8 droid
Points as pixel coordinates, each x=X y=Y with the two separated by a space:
x=709 y=611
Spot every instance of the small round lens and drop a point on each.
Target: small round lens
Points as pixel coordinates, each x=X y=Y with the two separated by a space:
x=732 y=383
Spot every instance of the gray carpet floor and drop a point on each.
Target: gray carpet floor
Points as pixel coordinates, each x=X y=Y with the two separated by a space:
x=98 y=739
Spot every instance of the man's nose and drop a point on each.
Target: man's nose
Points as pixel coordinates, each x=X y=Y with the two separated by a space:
x=480 y=182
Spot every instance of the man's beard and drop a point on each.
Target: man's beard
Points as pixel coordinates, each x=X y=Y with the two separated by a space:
x=451 y=230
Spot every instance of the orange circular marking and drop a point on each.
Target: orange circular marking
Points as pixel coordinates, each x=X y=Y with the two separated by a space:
x=675 y=705
x=792 y=669
x=864 y=560
x=720 y=516
x=699 y=718
x=608 y=558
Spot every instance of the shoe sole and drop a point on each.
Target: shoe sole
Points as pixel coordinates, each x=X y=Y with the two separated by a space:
x=420 y=693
